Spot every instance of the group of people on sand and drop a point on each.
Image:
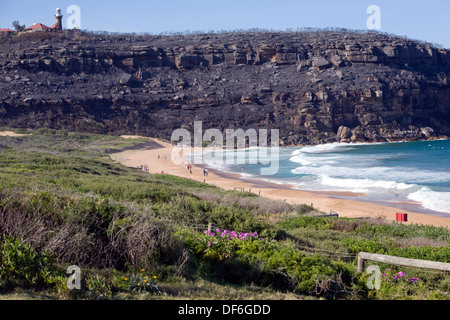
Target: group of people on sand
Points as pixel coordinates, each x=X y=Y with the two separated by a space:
x=143 y=167
x=189 y=167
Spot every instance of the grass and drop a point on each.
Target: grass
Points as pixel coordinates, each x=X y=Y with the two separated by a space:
x=63 y=201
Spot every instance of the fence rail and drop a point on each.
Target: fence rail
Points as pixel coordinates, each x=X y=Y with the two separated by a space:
x=417 y=263
x=332 y=214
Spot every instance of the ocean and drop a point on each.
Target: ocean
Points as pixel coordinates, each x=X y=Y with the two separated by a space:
x=409 y=175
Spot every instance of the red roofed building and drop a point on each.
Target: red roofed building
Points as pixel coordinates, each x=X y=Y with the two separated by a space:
x=38 y=27
x=6 y=30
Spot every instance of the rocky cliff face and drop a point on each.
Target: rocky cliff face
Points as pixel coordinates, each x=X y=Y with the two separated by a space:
x=314 y=87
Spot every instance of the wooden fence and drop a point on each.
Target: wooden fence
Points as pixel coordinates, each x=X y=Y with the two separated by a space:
x=366 y=256
x=249 y=190
x=332 y=214
x=417 y=263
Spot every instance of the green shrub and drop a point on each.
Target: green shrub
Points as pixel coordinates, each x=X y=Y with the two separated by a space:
x=387 y=247
x=371 y=230
x=307 y=222
x=276 y=264
x=188 y=210
x=183 y=181
x=21 y=265
x=142 y=282
x=441 y=254
x=402 y=283
x=357 y=245
x=61 y=191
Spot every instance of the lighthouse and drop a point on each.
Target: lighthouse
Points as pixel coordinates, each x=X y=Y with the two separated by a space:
x=58 y=17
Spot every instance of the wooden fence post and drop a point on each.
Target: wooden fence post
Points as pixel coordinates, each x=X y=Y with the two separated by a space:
x=211 y=226
x=416 y=263
x=360 y=264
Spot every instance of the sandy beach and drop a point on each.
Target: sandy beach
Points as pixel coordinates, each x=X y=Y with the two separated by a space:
x=11 y=134
x=157 y=159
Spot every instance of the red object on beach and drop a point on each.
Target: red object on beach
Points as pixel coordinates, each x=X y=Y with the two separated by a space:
x=403 y=217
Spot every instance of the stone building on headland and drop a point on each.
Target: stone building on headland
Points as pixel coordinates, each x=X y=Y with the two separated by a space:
x=57 y=26
x=38 y=27
x=6 y=30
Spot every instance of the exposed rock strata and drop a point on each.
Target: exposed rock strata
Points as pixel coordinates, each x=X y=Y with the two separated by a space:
x=314 y=87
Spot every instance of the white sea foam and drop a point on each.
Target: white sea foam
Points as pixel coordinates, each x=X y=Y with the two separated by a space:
x=308 y=160
x=329 y=147
x=432 y=200
x=246 y=175
x=334 y=147
x=329 y=161
x=336 y=154
x=363 y=185
x=387 y=174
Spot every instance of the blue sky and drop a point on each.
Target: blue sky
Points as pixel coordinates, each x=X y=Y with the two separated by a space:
x=417 y=19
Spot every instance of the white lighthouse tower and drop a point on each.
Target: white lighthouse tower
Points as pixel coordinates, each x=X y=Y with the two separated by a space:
x=58 y=17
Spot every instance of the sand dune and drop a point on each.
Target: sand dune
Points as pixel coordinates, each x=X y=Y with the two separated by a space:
x=157 y=159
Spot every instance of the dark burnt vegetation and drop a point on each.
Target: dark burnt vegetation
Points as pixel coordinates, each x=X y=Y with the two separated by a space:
x=307 y=83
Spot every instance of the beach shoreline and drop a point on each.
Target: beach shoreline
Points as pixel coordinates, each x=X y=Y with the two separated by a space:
x=158 y=160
